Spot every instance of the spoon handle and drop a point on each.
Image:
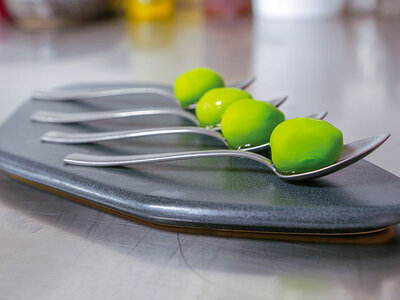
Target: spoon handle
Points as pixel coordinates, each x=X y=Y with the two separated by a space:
x=74 y=95
x=83 y=138
x=66 y=118
x=109 y=161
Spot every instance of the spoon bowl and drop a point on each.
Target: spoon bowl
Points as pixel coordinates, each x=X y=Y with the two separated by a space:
x=352 y=152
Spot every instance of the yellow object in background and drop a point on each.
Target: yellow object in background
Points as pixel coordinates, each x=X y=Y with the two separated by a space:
x=149 y=10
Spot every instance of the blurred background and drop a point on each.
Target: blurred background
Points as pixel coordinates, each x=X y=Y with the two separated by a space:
x=337 y=55
x=57 y=13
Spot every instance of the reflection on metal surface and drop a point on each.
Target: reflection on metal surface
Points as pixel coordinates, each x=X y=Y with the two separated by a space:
x=223 y=52
x=89 y=42
x=165 y=46
x=108 y=251
x=368 y=50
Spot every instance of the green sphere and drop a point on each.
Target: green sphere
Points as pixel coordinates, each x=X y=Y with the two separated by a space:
x=249 y=123
x=301 y=145
x=191 y=85
x=212 y=104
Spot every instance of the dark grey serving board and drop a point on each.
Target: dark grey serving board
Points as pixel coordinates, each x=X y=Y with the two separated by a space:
x=231 y=193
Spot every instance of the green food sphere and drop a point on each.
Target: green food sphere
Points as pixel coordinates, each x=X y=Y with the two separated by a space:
x=249 y=123
x=212 y=104
x=191 y=85
x=302 y=145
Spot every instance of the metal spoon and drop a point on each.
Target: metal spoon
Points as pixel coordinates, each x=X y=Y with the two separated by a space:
x=84 y=138
x=76 y=95
x=352 y=152
x=68 y=118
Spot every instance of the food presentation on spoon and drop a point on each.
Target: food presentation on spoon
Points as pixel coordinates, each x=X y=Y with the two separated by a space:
x=245 y=155
x=189 y=88
x=302 y=145
x=248 y=123
x=213 y=103
x=301 y=148
x=191 y=85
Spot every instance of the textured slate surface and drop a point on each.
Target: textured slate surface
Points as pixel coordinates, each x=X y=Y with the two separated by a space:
x=211 y=193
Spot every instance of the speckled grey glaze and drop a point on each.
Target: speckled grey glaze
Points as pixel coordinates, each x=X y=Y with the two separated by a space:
x=209 y=193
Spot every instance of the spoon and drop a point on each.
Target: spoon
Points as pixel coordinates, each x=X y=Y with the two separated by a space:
x=352 y=152
x=76 y=95
x=60 y=137
x=69 y=118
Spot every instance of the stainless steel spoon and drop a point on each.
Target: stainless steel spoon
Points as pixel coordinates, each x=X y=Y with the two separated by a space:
x=68 y=118
x=76 y=95
x=60 y=137
x=352 y=152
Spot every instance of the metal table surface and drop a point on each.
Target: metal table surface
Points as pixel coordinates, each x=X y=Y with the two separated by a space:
x=53 y=248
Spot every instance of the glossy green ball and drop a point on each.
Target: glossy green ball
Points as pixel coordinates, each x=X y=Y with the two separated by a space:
x=250 y=122
x=302 y=145
x=212 y=104
x=191 y=85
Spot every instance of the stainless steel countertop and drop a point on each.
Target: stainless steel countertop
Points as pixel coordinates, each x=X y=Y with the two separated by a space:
x=53 y=248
